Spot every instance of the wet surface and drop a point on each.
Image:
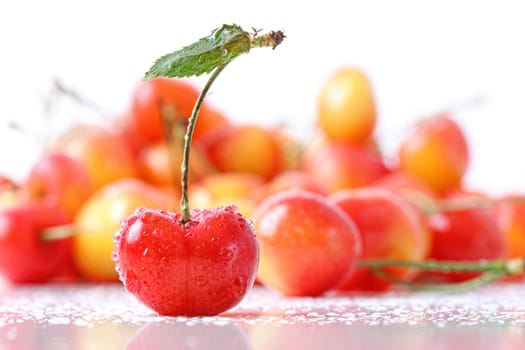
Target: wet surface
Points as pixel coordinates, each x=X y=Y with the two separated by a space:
x=107 y=317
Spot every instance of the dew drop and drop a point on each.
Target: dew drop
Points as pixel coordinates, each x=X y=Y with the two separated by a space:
x=131 y=282
x=227 y=253
x=148 y=217
x=201 y=280
x=238 y=287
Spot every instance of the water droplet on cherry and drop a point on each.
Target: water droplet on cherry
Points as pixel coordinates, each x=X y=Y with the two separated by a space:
x=132 y=283
x=148 y=217
x=237 y=287
x=201 y=280
x=227 y=254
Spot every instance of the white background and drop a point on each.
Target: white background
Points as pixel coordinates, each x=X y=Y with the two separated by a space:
x=422 y=56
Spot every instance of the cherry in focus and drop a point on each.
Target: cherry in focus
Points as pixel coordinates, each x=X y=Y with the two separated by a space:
x=204 y=266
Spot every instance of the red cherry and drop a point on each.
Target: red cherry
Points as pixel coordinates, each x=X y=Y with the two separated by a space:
x=390 y=226
x=308 y=244
x=464 y=235
x=24 y=256
x=59 y=178
x=202 y=267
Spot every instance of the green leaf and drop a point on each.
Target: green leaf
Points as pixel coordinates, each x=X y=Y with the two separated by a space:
x=217 y=49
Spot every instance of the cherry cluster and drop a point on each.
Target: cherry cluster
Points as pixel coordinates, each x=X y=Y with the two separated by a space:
x=299 y=216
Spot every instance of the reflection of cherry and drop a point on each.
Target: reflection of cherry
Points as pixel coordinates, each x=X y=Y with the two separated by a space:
x=179 y=335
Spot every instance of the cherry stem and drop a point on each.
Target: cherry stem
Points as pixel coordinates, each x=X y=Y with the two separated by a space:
x=54 y=233
x=430 y=206
x=184 y=202
x=173 y=135
x=492 y=270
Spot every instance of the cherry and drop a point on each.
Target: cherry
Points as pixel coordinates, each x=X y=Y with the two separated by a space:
x=59 y=178
x=194 y=262
x=510 y=216
x=464 y=235
x=201 y=267
x=391 y=227
x=308 y=245
x=337 y=166
x=436 y=152
x=25 y=256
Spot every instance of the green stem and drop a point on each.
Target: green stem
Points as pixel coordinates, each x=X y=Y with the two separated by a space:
x=491 y=270
x=174 y=135
x=445 y=265
x=475 y=282
x=184 y=202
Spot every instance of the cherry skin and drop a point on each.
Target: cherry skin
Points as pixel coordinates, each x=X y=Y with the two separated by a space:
x=247 y=148
x=510 y=216
x=106 y=153
x=337 y=166
x=308 y=244
x=391 y=227
x=464 y=235
x=346 y=109
x=202 y=267
x=59 y=178
x=99 y=218
x=25 y=257
x=145 y=120
x=436 y=151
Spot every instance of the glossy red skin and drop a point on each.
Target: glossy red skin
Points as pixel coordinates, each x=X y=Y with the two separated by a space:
x=338 y=166
x=24 y=256
x=464 y=235
x=436 y=151
x=308 y=245
x=390 y=228
x=60 y=179
x=203 y=267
